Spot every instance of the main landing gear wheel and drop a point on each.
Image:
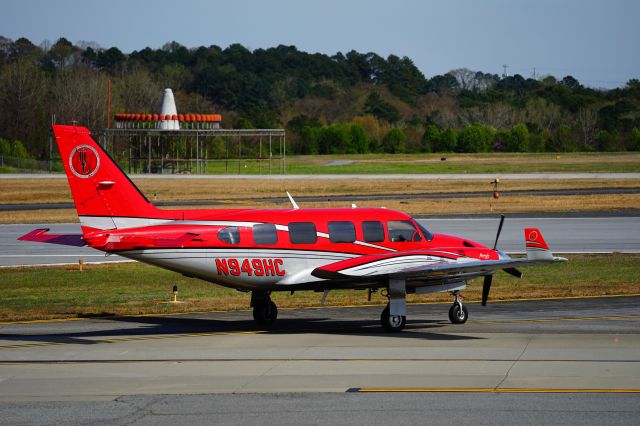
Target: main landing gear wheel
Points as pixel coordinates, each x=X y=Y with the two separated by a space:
x=458 y=315
x=265 y=313
x=392 y=323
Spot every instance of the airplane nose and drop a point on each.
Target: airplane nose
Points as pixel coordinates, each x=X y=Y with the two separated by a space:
x=453 y=241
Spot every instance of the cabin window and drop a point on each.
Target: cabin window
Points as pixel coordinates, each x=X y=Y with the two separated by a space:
x=302 y=233
x=342 y=232
x=402 y=230
x=229 y=235
x=373 y=231
x=265 y=233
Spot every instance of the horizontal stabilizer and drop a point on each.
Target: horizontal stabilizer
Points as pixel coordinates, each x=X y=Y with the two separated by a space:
x=41 y=236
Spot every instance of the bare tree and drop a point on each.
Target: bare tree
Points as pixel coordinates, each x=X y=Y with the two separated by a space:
x=136 y=91
x=465 y=77
x=499 y=116
x=80 y=95
x=587 y=121
x=22 y=94
x=543 y=113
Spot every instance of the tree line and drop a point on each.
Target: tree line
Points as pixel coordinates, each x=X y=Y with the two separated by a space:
x=344 y=103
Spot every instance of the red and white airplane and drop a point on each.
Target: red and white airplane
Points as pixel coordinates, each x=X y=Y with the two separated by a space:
x=267 y=250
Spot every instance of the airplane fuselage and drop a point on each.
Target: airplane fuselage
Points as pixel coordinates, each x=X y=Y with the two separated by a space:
x=279 y=249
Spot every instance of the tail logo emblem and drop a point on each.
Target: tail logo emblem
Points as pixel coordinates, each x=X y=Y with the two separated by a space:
x=84 y=161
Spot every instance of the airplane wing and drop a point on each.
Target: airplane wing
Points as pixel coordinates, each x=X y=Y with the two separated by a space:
x=435 y=265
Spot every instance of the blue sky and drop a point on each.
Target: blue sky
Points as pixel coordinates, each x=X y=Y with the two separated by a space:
x=595 y=41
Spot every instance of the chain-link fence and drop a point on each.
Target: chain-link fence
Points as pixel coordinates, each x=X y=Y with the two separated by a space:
x=29 y=165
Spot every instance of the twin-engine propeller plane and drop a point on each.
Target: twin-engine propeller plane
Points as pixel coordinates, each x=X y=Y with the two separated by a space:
x=267 y=250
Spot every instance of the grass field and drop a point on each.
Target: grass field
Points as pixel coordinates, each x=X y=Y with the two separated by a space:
x=433 y=163
x=419 y=163
x=134 y=288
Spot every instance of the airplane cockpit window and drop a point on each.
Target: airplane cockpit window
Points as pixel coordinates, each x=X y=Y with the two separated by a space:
x=302 y=233
x=342 y=232
x=402 y=231
x=229 y=235
x=372 y=231
x=427 y=234
x=265 y=233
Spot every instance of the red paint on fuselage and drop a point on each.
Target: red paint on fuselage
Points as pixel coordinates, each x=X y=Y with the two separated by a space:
x=202 y=232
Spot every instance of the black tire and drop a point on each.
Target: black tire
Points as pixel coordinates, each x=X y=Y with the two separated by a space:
x=265 y=313
x=456 y=316
x=391 y=324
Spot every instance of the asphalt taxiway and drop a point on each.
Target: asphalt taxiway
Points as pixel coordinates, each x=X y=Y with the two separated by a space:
x=569 y=361
x=553 y=345
x=572 y=234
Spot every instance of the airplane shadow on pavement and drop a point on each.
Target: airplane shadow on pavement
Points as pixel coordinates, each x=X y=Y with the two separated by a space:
x=109 y=329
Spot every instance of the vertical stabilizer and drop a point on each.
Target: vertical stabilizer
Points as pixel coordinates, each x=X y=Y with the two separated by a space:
x=102 y=192
x=535 y=245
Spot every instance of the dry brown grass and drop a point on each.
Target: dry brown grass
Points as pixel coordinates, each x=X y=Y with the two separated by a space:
x=510 y=204
x=15 y=191
x=231 y=191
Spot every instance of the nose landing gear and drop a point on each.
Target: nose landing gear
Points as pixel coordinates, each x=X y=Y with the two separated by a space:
x=458 y=313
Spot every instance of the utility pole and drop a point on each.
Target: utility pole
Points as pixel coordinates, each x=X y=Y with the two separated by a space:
x=504 y=70
x=534 y=73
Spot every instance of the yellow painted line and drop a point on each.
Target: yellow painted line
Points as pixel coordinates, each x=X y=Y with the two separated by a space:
x=134 y=339
x=43 y=321
x=493 y=390
x=555 y=319
x=532 y=299
x=529 y=299
x=31 y=345
x=313 y=360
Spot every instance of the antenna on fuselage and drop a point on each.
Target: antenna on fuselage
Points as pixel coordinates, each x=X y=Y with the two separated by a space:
x=293 y=202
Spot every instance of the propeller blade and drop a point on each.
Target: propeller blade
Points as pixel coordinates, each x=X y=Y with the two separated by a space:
x=486 y=287
x=514 y=272
x=495 y=245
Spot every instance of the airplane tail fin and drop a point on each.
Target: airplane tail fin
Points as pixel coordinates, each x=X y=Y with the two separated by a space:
x=536 y=247
x=101 y=190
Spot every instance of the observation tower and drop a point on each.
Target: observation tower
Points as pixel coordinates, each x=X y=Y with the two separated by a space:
x=169 y=142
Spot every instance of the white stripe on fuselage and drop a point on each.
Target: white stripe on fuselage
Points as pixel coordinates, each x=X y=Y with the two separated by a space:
x=106 y=223
x=399 y=263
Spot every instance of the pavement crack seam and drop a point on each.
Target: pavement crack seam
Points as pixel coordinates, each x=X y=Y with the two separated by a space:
x=140 y=412
x=256 y=378
x=513 y=364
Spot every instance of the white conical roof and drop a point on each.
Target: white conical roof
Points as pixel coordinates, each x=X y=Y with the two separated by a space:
x=169 y=107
